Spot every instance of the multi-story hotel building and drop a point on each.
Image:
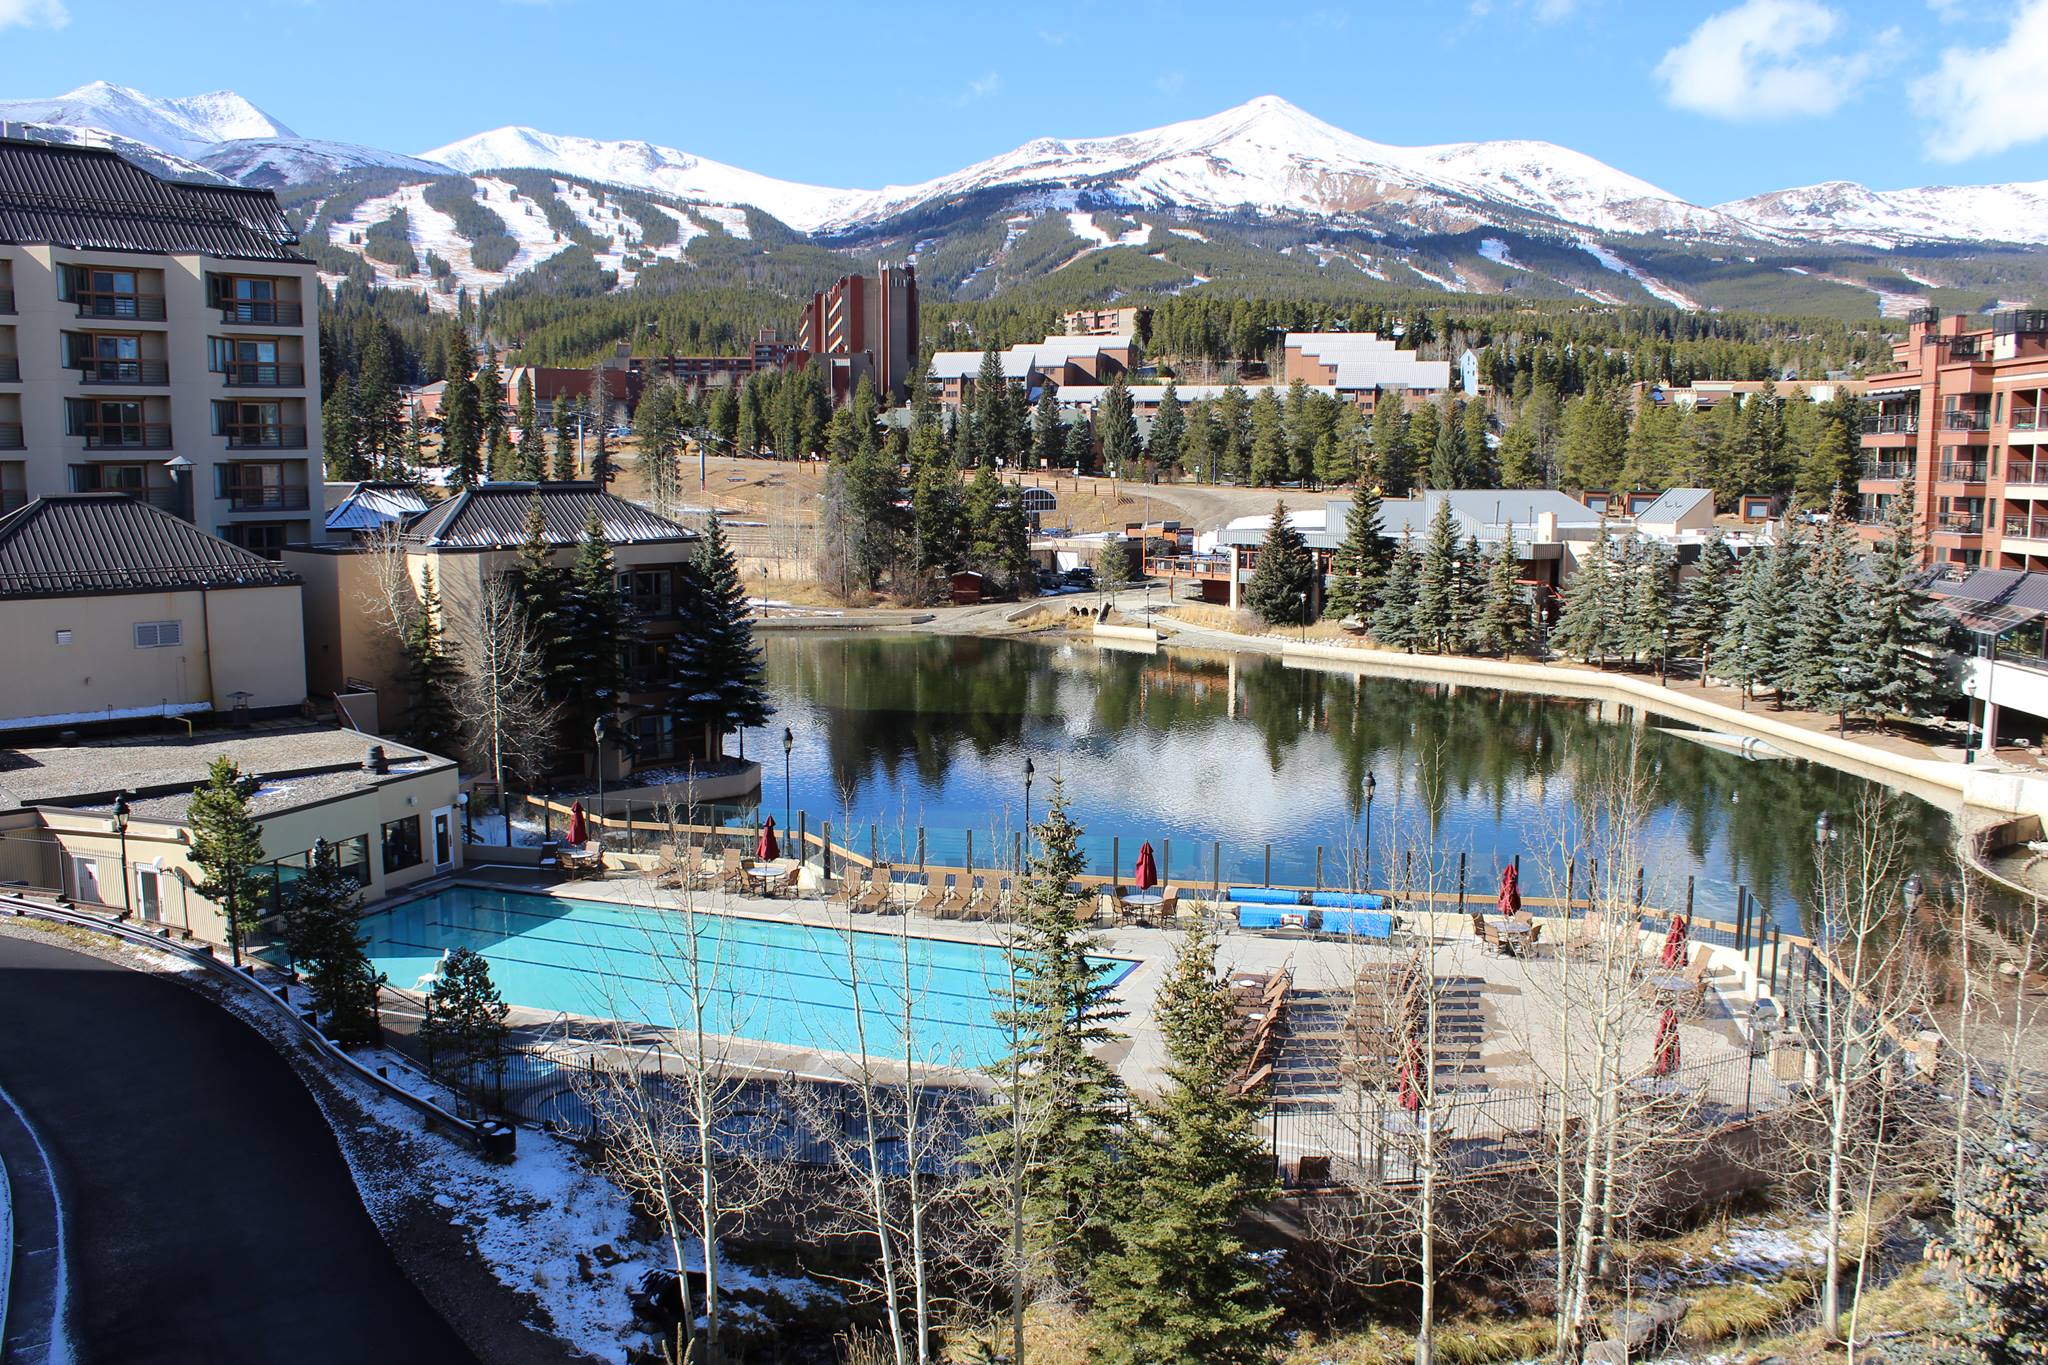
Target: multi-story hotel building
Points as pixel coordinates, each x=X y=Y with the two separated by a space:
x=1963 y=413
x=157 y=338
x=861 y=327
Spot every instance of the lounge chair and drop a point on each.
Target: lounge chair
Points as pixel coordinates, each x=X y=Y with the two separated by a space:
x=952 y=905
x=848 y=896
x=1585 y=933
x=928 y=904
x=981 y=902
x=877 y=899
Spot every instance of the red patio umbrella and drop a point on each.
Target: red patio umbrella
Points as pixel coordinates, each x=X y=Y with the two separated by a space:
x=1664 y=1054
x=768 y=850
x=1510 y=901
x=1145 y=874
x=579 y=829
x=1409 y=1078
x=1674 y=944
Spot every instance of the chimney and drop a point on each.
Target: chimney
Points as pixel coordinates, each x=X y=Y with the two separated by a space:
x=374 y=761
x=1546 y=527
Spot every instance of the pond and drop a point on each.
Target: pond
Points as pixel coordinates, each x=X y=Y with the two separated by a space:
x=1235 y=760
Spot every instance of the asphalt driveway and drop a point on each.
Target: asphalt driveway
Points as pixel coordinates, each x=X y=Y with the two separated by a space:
x=210 y=1216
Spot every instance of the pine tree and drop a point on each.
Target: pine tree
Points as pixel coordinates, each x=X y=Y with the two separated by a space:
x=1996 y=1253
x=1447 y=452
x=1739 y=651
x=1650 y=597
x=937 y=520
x=1279 y=588
x=1518 y=456
x=1393 y=621
x=728 y=654
x=321 y=911
x=1269 y=440
x=533 y=442
x=547 y=604
x=1468 y=597
x=1116 y=565
x=1704 y=603
x=1059 y=1105
x=1902 y=644
x=1437 y=582
x=1504 y=624
x=1584 y=627
x=1774 y=617
x=339 y=435
x=227 y=847
x=1358 y=570
x=1048 y=433
x=600 y=431
x=1080 y=446
x=600 y=622
x=464 y=1028
x=1119 y=431
x=1169 y=428
x=1180 y=1284
x=565 y=440
x=1819 y=673
x=462 y=434
x=1392 y=451
x=991 y=408
x=1232 y=419
x=431 y=677
x=1479 y=469
x=490 y=417
x=1592 y=442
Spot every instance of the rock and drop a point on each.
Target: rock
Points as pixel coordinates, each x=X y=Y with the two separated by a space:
x=1606 y=1353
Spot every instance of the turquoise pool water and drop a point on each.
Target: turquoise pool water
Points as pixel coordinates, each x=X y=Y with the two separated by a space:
x=762 y=980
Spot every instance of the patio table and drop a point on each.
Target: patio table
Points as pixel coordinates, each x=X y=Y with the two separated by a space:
x=1144 y=904
x=774 y=875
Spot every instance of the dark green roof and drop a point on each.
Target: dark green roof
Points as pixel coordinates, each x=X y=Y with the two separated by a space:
x=75 y=543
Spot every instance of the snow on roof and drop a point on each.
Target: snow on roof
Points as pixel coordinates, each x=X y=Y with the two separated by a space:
x=1151 y=395
x=1674 y=503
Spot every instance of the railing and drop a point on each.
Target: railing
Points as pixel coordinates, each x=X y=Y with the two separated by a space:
x=12 y=500
x=265 y=437
x=2033 y=662
x=10 y=436
x=1962 y=471
x=2021 y=472
x=10 y=369
x=85 y=478
x=2028 y=419
x=1966 y=420
x=140 y=307
x=1887 y=469
x=1158 y=566
x=253 y=311
x=123 y=372
x=2020 y=321
x=6 y=300
x=289 y=497
x=1965 y=347
x=138 y=436
x=263 y=375
x=1871 y=516
x=1900 y=424
x=1960 y=524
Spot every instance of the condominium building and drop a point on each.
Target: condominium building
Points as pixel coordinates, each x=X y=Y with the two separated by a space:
x=157 y=338
x=1963 y=413
x=1062 y=360
x=1360 y=366
x=857 y=327
x=1105 y=322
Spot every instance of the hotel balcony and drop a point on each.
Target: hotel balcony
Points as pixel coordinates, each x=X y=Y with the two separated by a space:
x=11 y=436
x=265 y=437
x=6 y=300
x=1892 y=424
x=2020 y=472
x=263 y=375
x=128 y=307
x=259 y=312
x=128 y=436
x=286 y=497
x=1960 y=523
x=94 y=478
x=10 y=369
x=101 y=373
x=1886 y=469
x=1973 y=419
x=1962 y=471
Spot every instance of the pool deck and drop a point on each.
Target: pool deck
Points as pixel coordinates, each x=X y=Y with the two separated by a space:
x=1511 y=1003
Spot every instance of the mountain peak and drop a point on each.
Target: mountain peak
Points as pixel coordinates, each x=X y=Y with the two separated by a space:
x=184 y=126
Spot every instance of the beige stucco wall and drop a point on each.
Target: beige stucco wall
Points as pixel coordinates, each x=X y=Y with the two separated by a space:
x=167 y=849
x=240 y=639
x=342 y=639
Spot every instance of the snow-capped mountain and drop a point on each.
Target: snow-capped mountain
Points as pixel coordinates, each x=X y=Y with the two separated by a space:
x=643 y=165
x=141 y=153
x=1269 y=156
x=184 y=127
x=1844 y=211
x=273 y=162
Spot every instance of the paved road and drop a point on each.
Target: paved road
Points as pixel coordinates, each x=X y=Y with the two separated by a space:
x=210 y=1215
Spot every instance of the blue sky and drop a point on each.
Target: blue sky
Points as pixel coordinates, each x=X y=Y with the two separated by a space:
x=1710 y=100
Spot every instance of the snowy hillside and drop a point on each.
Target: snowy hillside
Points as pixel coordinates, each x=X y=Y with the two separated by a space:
x=1841 y=210
x=183 y=127
x=273 y=162
x=162 y=163
x=643 y=165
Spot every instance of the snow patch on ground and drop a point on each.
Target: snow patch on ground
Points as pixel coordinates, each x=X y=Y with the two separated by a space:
x=523 y=219
x=1495 y=250
x=733 y=220
x=1084 y=226
x=1758 y=1251
x=1655 y=287
x=1449 y=286
x=1188 y=233
x=1795 y=270
x=1920 y=280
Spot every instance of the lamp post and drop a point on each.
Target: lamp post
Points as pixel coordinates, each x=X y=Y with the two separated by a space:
x=1302 y=621
x=597 y=734
x=788 y=743
x=1824 y=829
x=1371 y=784
x=1029 y=773
x=121 y=829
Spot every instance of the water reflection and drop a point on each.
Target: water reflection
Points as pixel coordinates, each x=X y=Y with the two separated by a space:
x=1224 y=755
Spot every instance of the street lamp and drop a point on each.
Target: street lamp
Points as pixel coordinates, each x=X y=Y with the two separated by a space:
x=788 y=743
x=1303 y=597
x=1824 y=829
x=597 y=734
x=1371 y=784
x=121 y=828
x=1029 y=773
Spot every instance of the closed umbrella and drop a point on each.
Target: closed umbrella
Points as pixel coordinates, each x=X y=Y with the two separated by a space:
x=579 y=829
x=1146 y=874
x=1674 y=944
x=1410 y=1077
x=768 y=850
x=1510 y=901
x=1664 y=1054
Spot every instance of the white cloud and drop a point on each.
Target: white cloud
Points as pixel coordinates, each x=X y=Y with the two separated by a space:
x=1981 y=100
x=1053 y=37
x=981 y=87
x=1542 y=11
x=1170 y=82
x=33 y=14
x=1766 y=59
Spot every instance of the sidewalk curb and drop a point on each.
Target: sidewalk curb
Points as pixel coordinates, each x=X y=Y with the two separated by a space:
x=34 y=1277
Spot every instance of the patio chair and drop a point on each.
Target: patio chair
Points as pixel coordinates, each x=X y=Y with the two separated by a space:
x=928 y=904
x=1584 y=933
x=877 y=899
x=952 y=905
x=733 y=870
x=848 y=896
x=1169 y=905
x=981 y=902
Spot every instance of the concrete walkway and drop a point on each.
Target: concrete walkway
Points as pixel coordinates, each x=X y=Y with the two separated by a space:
x=210 y=1215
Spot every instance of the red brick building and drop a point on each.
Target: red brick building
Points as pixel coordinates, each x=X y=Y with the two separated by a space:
x=1963 y=412
x=860 y=326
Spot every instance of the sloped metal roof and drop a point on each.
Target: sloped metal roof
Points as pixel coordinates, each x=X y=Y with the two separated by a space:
x=89 y=198
x=1674 y=503
x=492 y=516
x=1995 y=599
x=77 y=543
x=367 y=506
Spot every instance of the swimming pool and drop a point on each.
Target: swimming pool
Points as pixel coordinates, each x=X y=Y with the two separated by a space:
x=763 y=980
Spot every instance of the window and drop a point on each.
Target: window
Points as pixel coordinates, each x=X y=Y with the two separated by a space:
x=265 y=538
x=401 y=844
x=159 y=634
